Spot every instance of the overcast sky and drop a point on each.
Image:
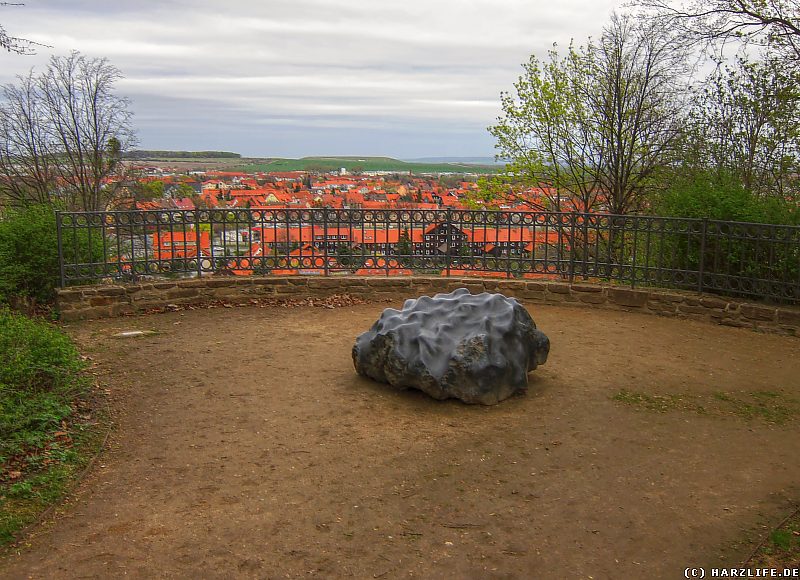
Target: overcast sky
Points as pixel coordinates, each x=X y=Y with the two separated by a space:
x=293 y=78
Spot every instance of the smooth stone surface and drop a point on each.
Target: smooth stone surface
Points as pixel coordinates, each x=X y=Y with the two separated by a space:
x=133 y=333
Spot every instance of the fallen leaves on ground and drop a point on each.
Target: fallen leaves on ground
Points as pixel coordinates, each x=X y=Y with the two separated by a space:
x=330 y=302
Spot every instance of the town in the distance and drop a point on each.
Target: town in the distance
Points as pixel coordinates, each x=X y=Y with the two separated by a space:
x=184 y=187
x=167 y=187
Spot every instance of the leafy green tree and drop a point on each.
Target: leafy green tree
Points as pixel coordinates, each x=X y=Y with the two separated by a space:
x=450 y=181
x=344 y=255
x=29 y=267
x=494 y=190
x=185 y=190
x=745 y=124
x=595 y=125
x=541 y=132
x=147 y=191
x=404 y=249
x=720 y=195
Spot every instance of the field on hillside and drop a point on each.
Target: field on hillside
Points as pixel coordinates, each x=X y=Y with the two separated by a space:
x=183 y=164
x=362 y=164
x=322 y=164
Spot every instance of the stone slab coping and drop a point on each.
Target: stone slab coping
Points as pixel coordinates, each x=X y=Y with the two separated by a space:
x=107 y=300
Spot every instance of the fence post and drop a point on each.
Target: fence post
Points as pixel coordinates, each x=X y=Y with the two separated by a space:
x=701 y=266
x=197 y=242
x=636 y=222
x=448 y=220
x=572 y=225
x=325 y=269
x=62 y=283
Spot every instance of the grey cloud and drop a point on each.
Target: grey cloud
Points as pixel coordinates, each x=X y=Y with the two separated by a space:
x=410 y=78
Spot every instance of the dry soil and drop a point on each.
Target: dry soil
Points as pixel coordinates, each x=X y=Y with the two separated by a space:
x=246 y=446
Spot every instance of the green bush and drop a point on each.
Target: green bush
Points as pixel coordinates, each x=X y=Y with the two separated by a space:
x=28 y=254
x=29 y=267
x=39 y=378
x=739 y=254
x=721 y=197
x=43 y=442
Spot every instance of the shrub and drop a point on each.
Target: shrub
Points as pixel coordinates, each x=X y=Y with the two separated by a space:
x=753 y=259
x=722 y=197
x=28 y=254
x=44 y=443
x=29 y=267
x=39 y=378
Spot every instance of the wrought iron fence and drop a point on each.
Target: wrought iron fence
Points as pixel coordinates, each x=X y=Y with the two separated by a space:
x=740 y=259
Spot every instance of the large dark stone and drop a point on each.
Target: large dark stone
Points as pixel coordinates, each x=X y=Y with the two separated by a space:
x=477 y=348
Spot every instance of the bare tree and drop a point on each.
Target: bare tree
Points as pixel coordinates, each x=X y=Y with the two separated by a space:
x=62 y=134
x=90 y=124
x=27 y=167
x=636 y=101
x=714 y=22
x=13 y=43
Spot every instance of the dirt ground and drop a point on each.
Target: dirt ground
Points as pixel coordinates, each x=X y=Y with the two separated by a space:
x=246 y=446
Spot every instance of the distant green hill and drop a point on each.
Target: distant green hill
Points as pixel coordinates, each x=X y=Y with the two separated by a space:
x=160 y=155
x=361 y=163
x=352 y=163
x=490 y=161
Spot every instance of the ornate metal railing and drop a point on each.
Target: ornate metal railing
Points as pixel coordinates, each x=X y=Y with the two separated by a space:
x=740 y=259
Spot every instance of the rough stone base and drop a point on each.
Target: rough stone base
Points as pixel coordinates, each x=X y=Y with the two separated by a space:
x=86 y=302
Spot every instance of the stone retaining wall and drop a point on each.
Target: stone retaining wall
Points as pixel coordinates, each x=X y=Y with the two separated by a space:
x=85 y=302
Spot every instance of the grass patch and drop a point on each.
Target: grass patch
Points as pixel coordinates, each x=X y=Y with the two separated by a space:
x=362 y=164
x=49 y=426
x=660 y=403
x=769 y=406
x=782 y=548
